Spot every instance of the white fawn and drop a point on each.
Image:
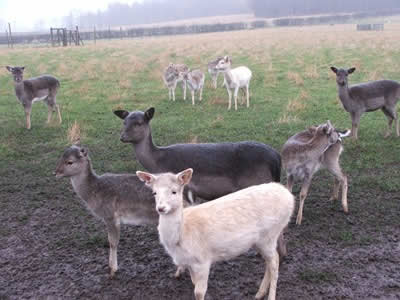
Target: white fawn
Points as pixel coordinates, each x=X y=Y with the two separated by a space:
x=199 y=236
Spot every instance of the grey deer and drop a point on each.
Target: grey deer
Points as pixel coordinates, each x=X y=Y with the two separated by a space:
x=220 y=168
x=114 y=198
x=28 y=91
x=365 y=97
x=310 y=150
x=195 y=81
x=213 y=71
x=171 y=79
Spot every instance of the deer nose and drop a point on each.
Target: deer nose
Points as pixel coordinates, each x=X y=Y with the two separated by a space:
x=161 y=209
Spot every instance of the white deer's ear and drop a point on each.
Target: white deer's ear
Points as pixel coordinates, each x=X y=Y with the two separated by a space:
x=185 y=176
x=334 y=70
x=146 y=177
x=10 y=69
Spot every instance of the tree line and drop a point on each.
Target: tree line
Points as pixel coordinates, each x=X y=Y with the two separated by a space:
x=153 y=11
x=281 y=8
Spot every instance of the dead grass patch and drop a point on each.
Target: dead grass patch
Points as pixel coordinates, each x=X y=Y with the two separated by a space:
x=374 y=75
x=193 y=139
x=311 y=72
x=287 y=119
x=295 y=77
x=219 y=101
x=74 y=133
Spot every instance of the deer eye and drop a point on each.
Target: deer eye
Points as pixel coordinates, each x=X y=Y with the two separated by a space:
x=154 y=193
x=69 y=162
x=173 y=192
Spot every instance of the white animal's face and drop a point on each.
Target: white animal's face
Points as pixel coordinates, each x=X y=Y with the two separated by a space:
x=167 y=189
x=224 y=64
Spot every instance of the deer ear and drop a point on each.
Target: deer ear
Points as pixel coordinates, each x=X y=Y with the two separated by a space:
x=121 y=113
x=23 y=68
x=148 y=114
x=334 y=70
x=351 y=70
x=145 y=177
x=83 y=152
x=10 y=69
x=185 y=176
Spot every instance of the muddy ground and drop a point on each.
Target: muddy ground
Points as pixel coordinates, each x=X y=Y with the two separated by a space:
x=50 y=247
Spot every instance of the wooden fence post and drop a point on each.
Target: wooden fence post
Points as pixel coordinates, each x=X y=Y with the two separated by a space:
x=10 y=35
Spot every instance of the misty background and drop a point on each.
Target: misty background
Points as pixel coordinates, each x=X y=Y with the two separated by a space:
x=125 y=13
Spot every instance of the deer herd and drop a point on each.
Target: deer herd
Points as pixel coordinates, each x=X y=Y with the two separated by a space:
x=244 y=204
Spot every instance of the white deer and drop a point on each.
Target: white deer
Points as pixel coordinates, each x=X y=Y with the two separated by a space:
x=199 y=236
x=234 y=79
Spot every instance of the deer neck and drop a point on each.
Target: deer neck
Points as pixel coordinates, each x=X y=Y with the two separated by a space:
x=19 y=89
x=318 y=146
x=147 y=153
x=170 y=229
x=344 y=95
x=83 y=183
x=228 y=76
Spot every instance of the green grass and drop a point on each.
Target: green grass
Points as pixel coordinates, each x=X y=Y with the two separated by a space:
x=97 y=79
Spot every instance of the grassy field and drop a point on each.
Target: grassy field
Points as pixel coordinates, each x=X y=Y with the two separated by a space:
x=292 y=88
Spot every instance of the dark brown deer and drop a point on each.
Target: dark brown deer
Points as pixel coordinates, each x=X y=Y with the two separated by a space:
x=28 y=91
x=365 y=97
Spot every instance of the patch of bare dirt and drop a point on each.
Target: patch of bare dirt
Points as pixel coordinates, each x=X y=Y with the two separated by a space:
x=50 y=247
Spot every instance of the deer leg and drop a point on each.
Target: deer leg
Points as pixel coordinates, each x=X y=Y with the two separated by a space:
x=199 y=275
x=215 y=80
x=303 y=194
x=248 y=95
x=290 y=182
x=230 y=97
x=192 y=97
x=270 y=279
x=184 y=89
x=113 y=228
x=282 y=244
x=335 y=192
x=49 y=113
x=179 y=271
x=59 y=113
x=235 y=96
x=391 y=115
x=201 y=93
x=355 y=121
x=28 y=110
x=341 y=181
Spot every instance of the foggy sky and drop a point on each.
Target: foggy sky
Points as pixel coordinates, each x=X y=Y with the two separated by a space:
x=27 y=15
